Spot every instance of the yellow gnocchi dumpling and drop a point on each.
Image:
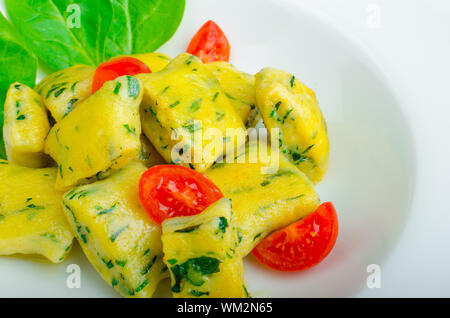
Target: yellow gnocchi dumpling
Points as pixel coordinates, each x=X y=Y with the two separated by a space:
x=31 y=216
x=148 y=155
x=180 y=104
x=239 y=87
x=99 y=136
x=25 y=127
x=264 y=200
x=64 y=90
x=116 y=233
x=289 y=105
x=155 y=61
x=200 y=252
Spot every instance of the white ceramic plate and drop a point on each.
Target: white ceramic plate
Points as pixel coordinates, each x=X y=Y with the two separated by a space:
x=371 y=168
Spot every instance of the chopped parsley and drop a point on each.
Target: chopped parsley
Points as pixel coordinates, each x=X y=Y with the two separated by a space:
x=223 y=224
x=134 y=87
x=117 y=88
x=115 y=235
x=292 y=81
x=189 y=229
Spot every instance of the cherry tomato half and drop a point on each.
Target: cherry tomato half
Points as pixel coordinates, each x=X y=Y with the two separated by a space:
x=110 y=70
x=168 y=191
x=210 y=44
x=300 y=245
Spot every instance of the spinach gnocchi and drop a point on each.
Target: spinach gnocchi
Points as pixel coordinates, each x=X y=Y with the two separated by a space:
x=31 y=216
x=289 y=105
x=116 y=167
x=200 y=252
x=26 y=127
x=101 y=135
x=116 y=234
x=62 y=91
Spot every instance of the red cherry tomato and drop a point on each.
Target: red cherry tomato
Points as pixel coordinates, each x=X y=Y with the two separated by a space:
x=168 y=191
x=110 y=70
x=210 y=44
x=301 y=245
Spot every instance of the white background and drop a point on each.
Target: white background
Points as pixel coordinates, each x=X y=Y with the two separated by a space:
x=412 y=45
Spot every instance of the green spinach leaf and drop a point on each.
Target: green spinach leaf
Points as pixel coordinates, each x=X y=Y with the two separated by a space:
x=68 y=32
x=17 y=64
x=47 y=33
x=154 y=22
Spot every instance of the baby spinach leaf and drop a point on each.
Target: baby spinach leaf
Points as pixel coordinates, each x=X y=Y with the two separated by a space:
x=17 y=64
x=68 y=32
x=154 y=22
x=47 y=33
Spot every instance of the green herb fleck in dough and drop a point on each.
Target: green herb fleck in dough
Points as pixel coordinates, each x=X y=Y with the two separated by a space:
x=129 y=130
x=287 y=115
x=83 y=238
x=72 y=88
x=294 y=198
x=70 y=106
x=307 y=149
x=59 y=92
x=257 y=236
x=189 y=61
x=215 y=96
x=188 y=229
x=192 y=126
x=292 y=81
x=54 y=88
x=223 y=224
x=109 y=264
x=197 y=293
x=230 y=97
x=152 y=111
x=133 y=87
x=193 y=271
x=149 y=266
x=50 y=236
x=142 y=286
x=114 y=282
x=35 y=207
x=265 y=183
x=146 y=252
x=172 y=261
x=220 y=116
x=246 y=292
x=115 y=235
x=120 y=263
x=117 y=88
x=20 y=117
x=277 y=105
x=105 y=211
x=175 y=104
x=195 y=105
x=165 y=90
